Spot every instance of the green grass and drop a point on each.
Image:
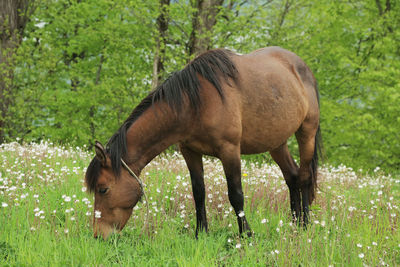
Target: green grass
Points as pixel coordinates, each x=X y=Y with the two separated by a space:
x=45 y=220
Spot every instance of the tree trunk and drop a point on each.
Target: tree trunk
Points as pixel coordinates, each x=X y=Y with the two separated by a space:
x=159 y=55
x=204 y=19
x=14 y=15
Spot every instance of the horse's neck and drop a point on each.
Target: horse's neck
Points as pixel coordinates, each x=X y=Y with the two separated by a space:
x=153 y=132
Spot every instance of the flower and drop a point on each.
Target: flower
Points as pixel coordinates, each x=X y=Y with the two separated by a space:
x=361 y=255
x=97 y=214
x=263 y=221
x=4 y=205
x=238 y=245
x=241 y=214
x=67 y=199
x=352 y=209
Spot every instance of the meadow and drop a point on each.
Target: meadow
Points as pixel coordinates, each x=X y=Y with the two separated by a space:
x=46 y=216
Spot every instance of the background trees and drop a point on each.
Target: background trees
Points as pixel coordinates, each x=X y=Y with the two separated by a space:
x=14 y=16
x=81 y=66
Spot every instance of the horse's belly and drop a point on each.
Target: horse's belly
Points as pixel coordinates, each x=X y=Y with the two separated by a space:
x=266 y=130
x=263 y=140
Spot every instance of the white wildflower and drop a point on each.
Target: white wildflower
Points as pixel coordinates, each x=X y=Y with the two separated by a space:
x=97 y=214
x=352 y=208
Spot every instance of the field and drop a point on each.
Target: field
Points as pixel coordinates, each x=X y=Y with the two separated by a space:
x=46 y=214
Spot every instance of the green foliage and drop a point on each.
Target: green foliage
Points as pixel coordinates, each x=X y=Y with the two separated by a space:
x=84 y=65
x=82 y=70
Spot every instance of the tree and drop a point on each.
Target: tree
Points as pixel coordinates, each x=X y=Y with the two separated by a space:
x=161 y=42
x=14 y=15
x=203 y=20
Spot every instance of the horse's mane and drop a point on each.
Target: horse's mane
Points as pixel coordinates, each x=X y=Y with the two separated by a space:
x=211 y=65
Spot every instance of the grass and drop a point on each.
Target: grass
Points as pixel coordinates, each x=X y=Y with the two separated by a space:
x=45 y=216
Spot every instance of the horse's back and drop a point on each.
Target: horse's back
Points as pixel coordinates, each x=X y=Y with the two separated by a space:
x=278 y=93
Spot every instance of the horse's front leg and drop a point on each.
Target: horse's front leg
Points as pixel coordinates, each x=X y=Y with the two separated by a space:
x=230 y=157
x=194 y=163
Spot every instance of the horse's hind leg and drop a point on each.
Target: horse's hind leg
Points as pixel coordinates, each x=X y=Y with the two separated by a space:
x=194 y=163
x=307 y=175
x=230 y=158
x=290 y=171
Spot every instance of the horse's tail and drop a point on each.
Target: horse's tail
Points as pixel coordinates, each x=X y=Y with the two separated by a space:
x=318 y=150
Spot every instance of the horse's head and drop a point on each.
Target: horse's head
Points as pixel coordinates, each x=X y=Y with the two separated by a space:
x=114 y=195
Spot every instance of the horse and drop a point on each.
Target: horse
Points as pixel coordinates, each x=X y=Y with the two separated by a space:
x=221 y=104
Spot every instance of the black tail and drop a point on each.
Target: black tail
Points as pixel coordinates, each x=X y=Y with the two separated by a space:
x=314 y=163
x=318 y=150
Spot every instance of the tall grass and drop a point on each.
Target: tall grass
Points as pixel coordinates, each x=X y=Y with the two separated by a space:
x=45 y=216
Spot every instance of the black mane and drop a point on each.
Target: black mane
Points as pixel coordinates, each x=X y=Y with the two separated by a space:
x=211 y=65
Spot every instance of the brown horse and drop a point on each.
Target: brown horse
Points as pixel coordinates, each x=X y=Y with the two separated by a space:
x=221 y=104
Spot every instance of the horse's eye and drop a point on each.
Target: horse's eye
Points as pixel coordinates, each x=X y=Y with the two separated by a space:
x=103 y=190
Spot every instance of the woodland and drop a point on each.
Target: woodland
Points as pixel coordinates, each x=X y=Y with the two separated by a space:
x=71 y=71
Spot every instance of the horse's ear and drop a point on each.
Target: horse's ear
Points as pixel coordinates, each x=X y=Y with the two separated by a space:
x=100 y=153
